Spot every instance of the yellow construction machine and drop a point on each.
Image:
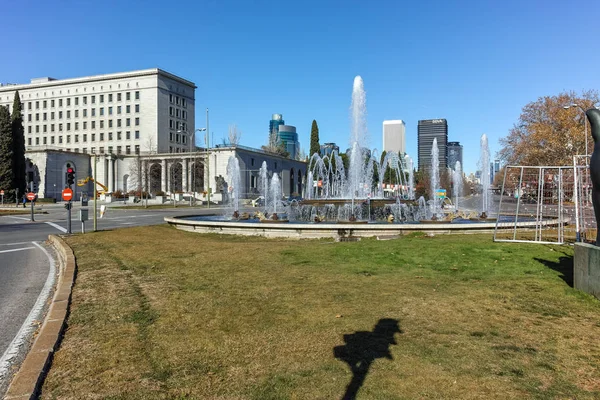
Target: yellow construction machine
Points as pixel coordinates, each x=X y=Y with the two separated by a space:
x=82 y=182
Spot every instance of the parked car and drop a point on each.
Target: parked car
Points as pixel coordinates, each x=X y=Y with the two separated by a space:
x=258 y=202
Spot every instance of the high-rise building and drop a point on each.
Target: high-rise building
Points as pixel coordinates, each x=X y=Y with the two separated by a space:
x=428 y=130
x=288 y=136
x=124 y=113
x=455 y=153
x=279 y=132
x=394 y=136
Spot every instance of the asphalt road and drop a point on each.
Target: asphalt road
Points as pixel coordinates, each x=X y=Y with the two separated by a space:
x=25 y=266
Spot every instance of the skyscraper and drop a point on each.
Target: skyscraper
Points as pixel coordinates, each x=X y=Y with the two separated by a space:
x=455 y=153
x=276 y=120
x=279 y=133
x=394 y=136
x=428 y=130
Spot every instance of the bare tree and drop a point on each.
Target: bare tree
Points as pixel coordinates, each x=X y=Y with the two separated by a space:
x=234 y=135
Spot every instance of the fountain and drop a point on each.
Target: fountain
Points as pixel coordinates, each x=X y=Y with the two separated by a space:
x=457 y=181
x=484 y=165
x=368 y=197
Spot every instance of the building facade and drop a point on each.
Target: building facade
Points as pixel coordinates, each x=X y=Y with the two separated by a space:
x=122 y=113
x=455 y=153
x=327 y=149
x=394 y=136
x=289 y=138
x=427 y=131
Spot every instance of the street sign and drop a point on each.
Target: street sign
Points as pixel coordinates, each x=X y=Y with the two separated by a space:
x=31 y=196
x=1 y=192
x=67 y=194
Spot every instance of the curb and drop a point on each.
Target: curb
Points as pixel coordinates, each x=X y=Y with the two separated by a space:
x=28 y=381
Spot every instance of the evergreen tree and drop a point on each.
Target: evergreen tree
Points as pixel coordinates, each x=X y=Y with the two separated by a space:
x=315 y=147
x=6 y=155
x=18 y=135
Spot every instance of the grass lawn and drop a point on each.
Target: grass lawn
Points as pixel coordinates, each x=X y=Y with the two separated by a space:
x=159 y=313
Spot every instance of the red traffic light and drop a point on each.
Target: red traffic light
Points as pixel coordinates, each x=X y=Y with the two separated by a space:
x=69 y=170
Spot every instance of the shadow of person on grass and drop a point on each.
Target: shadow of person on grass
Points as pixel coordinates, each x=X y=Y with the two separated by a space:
x=564 y=266
x=362 y=348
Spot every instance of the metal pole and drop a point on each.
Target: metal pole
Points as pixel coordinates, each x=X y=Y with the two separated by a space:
x=69 y=205
x=207 y=159
x=95 y=194
x=32 y=210
x=576 y=184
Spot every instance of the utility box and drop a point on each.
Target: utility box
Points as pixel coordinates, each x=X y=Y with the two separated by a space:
x=84 y=200
x=83 y=214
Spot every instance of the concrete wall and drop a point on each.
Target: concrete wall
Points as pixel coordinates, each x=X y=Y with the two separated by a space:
x=586 y=274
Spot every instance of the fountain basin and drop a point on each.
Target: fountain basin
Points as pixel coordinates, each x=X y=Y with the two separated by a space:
x=300 y=230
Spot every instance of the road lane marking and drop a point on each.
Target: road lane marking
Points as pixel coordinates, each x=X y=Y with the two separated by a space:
x=24 y=219
x=13 y=244
x=60 y=228
x=28 y=325
x=11 y=250
x=126 y=223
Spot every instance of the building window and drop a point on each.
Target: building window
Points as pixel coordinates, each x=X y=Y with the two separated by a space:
x=110 y=125
x=128 y=96
x=137 y=108
x=101 y=99
x=52 y=115
x=170 y=149
x=93 y=137
x=127 y=149
x=177 y=100
x=29 y=141
x=29 y=105
x=59 y=103
x=110 y=149
x=137 y=134
x=44 y=140
x=84 y=112
x=29 y=129
x=60 y=140
x=76 y=113
x=183 y=139
x=84 y=150
x=183 y=103
x=119 y=135
x=101 y=136
x=93 y=150
x=183 y=114
x=93 y=112
x=171 y=111
x=110 y=97
x=84 y=98
x=37 y=116
x=252 y=162
x=68 y=114
x=127 y=135
x=101 y=124
x=37 y=140
x=51 y=127
x=60 y=127
x=76 y=138
x=137 y=95
x=101 y=150
x=84 y=125
x=137 y=122
x=137 y=149
x=68 y=138
x=171 y=123
x=101 y=111
x=37 y=129
x=110 y=136
x=118 y=96
x=177 y=113
x=118 y=123
x=171 y=136
x=45 y=128
x=127 y=109
x=37 y=105
x=51 y=103
x=177 y=138
x=170 y=98
x=93 y=99
x=118 y=109
x=45 y=104
x=68 y=102
x=118 y=149
x=93 y=124
x=76 y=101
x=76 y=126
x=60 y=115
x=51 y=139
x=110 y=110
x=85 y=137
x=128 y=122
x=29 y=118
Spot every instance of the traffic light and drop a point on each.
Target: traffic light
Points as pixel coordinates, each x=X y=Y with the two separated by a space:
x=70 y=176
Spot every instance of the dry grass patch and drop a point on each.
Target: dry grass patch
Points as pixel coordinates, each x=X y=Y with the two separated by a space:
x=160 y=313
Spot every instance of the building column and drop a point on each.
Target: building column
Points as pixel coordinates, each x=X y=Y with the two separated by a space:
x=111 y=175
x=144 y=173
x=184 y=176
x=163 y=176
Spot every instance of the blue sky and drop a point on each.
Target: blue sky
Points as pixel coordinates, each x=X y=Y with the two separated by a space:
x=475 y=63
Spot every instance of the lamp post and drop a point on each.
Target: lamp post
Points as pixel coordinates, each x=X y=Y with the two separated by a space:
x=192 y=146
x=207 y=160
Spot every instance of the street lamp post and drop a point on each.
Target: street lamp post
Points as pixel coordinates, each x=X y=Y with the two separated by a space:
x=207 y=160
x=192 y=146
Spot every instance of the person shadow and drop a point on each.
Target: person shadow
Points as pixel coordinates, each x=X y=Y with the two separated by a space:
x=362 y=348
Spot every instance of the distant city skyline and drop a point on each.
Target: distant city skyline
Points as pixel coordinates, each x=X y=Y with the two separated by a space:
x=475 y=63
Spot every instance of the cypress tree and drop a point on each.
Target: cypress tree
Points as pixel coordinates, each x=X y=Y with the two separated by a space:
x=6 y=155
x=315 y=147
x=18 y=135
